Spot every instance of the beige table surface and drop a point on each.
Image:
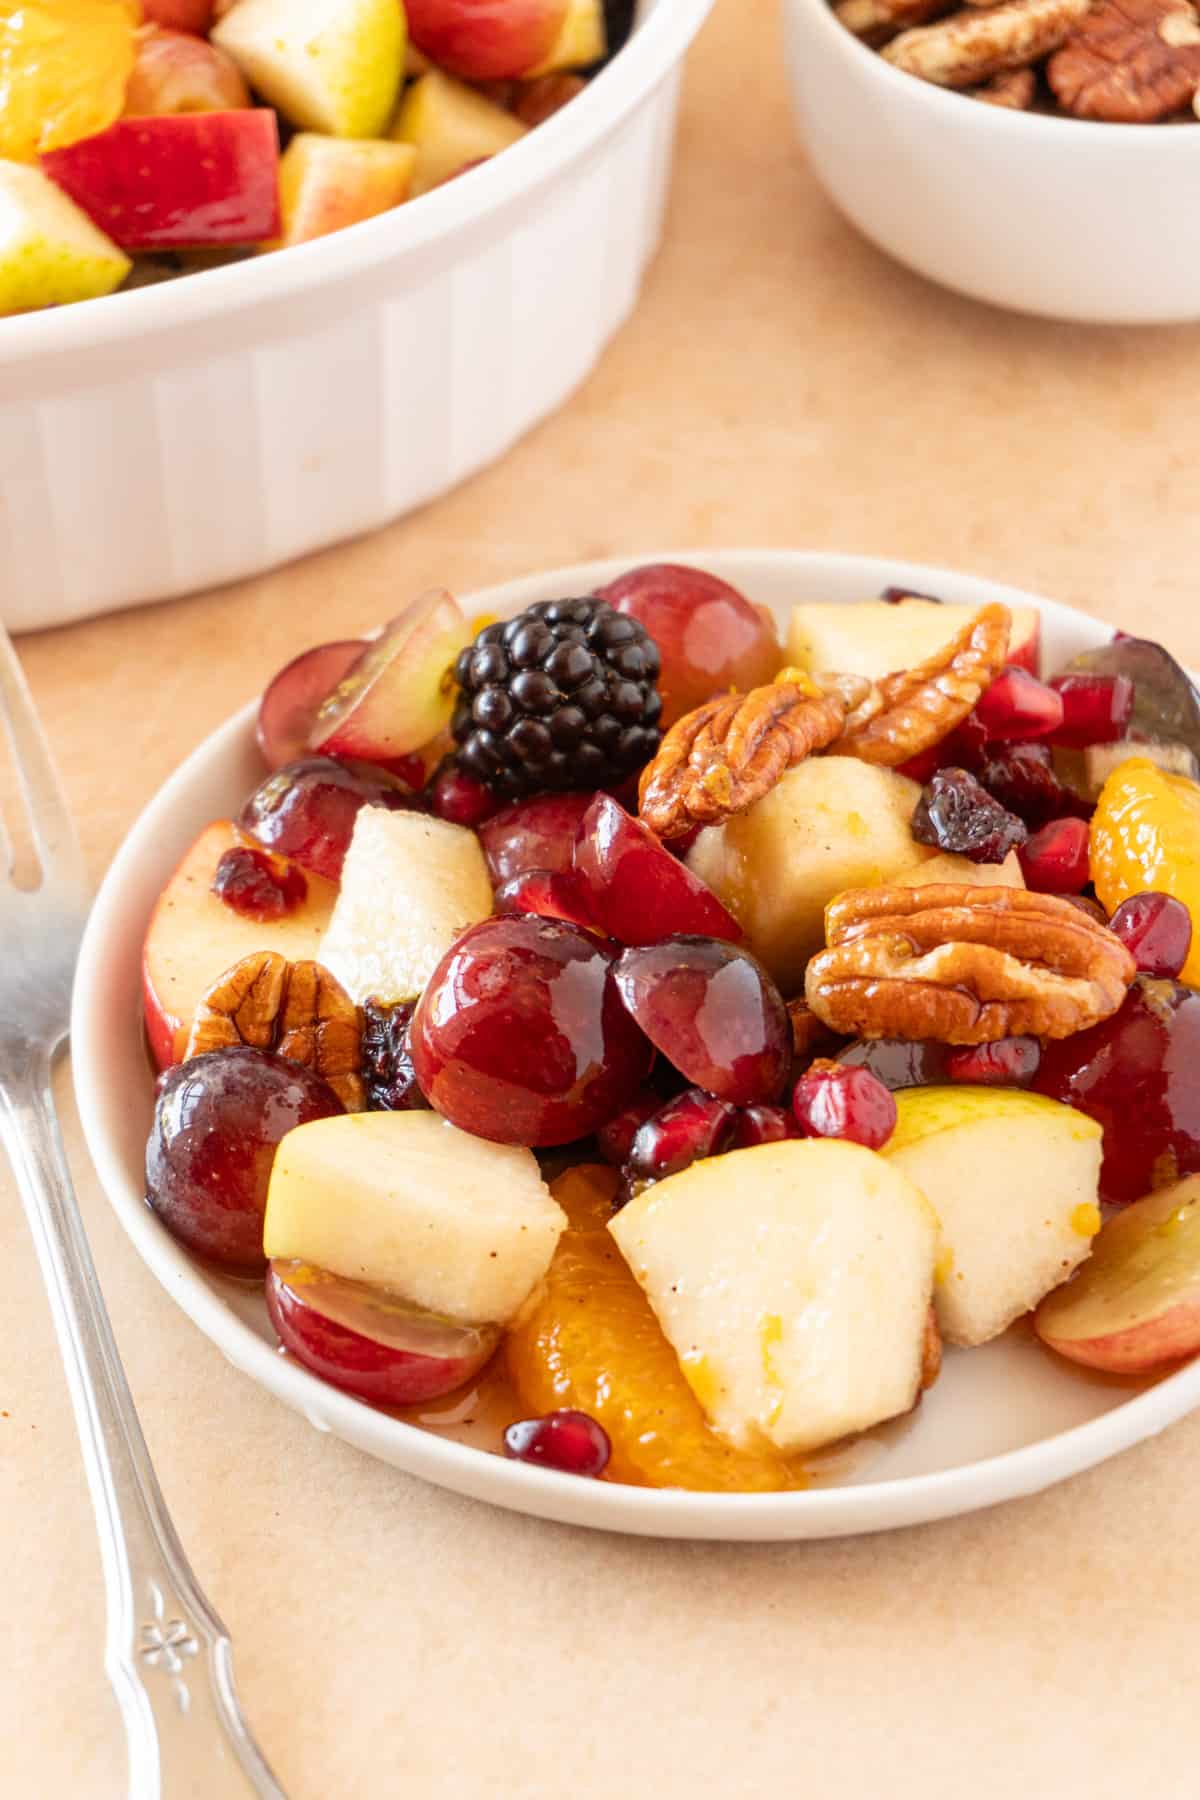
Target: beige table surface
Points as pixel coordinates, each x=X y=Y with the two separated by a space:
x=782 y=384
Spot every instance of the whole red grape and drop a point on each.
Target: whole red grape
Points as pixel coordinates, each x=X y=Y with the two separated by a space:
x=710 y=637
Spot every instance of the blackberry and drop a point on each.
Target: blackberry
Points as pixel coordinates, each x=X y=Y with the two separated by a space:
x=388 y=1074
x=563 y=696
x=955 y=813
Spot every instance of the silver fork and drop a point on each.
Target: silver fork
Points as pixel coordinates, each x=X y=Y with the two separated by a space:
x=167 y=1654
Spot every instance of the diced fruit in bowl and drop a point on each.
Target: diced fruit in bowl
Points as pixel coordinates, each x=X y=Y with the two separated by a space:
x=831 y=823
x=183 y=181
x=289 y=706
x=570 y=1442
x=333 y=66
x=1017 y=707
x=710 y=637
x=482 y=41
x=399 y=694
x=1013 y=1180
x=66 y=63
x=326 y=183
x=1156 y=930
x=365 y=1341
x=405 y=1202
x=837 y=1100
x=1055 y=859
x=218 y=1122
x=534 y=834
x=962 y=872
x=551 y=893
x=713 y=1011
x=307 y=809
x=193 y=936
x=639 y=892
x=1146 y=835
x=50 y=251
x=581 y=41
x=176 y=72
x=687 y=1129
x=1097 y=709
x=794 y=1282
x=451 y=127
x=1084 y=772
x=521 y=1036
x=411 y=886
x=1134 y=1307
x=390 y=1081
x=1166 y=709
x=877 y=637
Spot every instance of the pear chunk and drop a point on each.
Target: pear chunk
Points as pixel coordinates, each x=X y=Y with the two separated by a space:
x=407 y=1202
x=877 y=637
x=410 y=886
x=333 y=66
x=1013 y=1178
x=50 y=252
x=450 y=126
x=793 y=1281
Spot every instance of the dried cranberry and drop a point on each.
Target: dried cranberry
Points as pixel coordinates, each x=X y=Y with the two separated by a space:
x=835 y=1101
x=1055 y=859
x=956 y=813
x=571 y=1442
x=1021 y=777
x=1008 y=1062
x=458 y=798
x=1156 y=929
x=1096 y=709
x=257 y=885
x=1018 y=706
x=390 y=1082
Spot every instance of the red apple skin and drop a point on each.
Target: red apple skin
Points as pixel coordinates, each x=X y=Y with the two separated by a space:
x=485 y=40
x=358 y=1365
x=193 y=937
x=179 y=15
x=1140 y=1349
x=177 y=182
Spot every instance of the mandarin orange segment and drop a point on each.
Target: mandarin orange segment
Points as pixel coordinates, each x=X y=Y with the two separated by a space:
x=592 y=1342
x=1145 y=834
x=64 y=65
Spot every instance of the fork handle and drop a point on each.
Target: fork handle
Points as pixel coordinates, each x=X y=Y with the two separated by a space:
x=167 y=1654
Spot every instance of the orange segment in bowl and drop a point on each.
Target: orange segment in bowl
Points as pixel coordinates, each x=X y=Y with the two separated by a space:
x=63 y=69
x=1145 y=834
x=592 y=1342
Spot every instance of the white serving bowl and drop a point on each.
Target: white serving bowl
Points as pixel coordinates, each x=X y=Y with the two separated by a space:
x=1002 y=1421
x=1047 y=215
x=204 y=429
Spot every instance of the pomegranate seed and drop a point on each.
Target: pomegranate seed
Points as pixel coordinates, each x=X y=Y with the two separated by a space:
x=954 y=813
x=1017 y=707
x=459 y=799
x=763 y=1125
x=836 y=1101
x=257 y=885
x=1055 y=859
x=1096 y=709
x=550 y=893
x=693 y=1125
x=571 y=1442
x=1156 y=929
x=1009 y=1062
x=615 y=1140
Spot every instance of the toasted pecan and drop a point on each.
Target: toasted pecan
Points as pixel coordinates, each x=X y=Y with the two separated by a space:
x=298 y=1010
x=1129 y=62
x=1015 y=90
x=728 y=753
x=922 y=704
x=964 y=965
x=971 y=46
x=877 y=20
x=931 y=1350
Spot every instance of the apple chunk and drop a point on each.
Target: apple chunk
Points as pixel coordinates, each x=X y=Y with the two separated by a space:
x=450 y=126
x=193 y=937
x=410 y=886
x=1135 y=1306
x=1013 y=1178
x=875 y=637
x=793 y=1281
x=407 y=1202
x=326 y=183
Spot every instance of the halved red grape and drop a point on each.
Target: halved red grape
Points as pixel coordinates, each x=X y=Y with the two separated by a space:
x=533 y=834
x=638 y=891
x=217 y=1121
x=520 y=1035
x=714 y=1012
x=550 y=893
x=369 y=1343
x=289 y=705
x=307 y=809
x=1006 y=1062
x=1156 y=929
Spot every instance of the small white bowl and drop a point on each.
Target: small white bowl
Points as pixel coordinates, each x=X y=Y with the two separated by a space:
x=204 y=429
x=1057 y=216
x=1003 y=1420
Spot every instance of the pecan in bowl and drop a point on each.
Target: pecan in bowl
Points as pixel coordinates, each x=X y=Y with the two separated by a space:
x=298 y=1010
x=964 y=965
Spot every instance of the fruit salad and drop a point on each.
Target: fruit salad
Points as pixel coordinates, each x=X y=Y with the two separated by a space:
x=141 y=139
x=663 y=1042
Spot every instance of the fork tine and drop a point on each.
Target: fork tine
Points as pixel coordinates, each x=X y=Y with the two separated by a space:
x=50 y=822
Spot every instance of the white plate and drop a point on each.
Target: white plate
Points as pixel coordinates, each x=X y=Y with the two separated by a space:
x=1002 y=1421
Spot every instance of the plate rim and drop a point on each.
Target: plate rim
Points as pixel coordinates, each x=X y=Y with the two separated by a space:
x=484 y=1475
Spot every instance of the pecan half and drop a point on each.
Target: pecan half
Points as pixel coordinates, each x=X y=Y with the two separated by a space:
x=877 y=20
x=1015 y=89
x=920 y=705
x=1129 y=61
x=972 y=46
x=964 y=965
x=728 y=753
x=296 y=1009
